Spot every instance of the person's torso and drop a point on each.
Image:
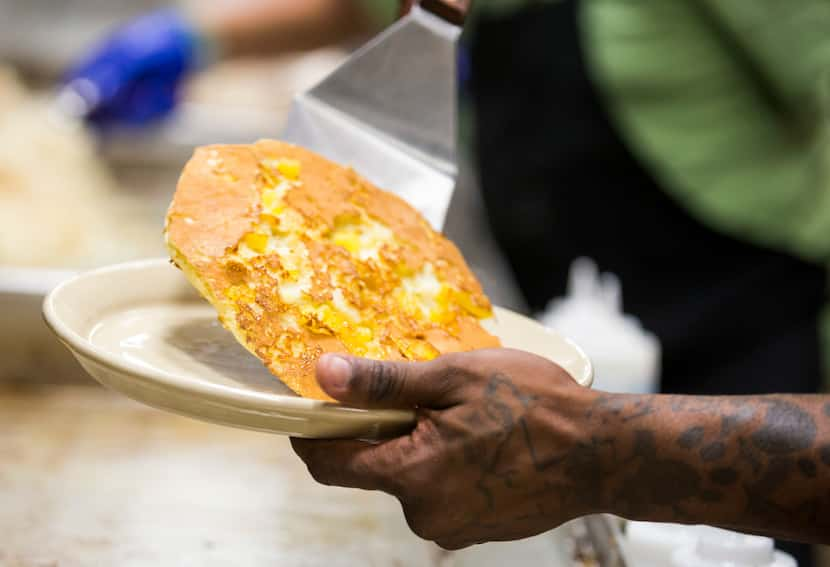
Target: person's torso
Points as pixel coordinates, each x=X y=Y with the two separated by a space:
x=559 y=183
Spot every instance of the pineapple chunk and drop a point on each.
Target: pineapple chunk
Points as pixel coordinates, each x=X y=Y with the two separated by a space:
x=256 y=241
x=290 y=168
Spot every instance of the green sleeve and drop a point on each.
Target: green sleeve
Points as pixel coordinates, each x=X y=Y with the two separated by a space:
x=724 y=101
x=787 y=42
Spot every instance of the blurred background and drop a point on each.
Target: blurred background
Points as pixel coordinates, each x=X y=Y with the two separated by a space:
x=664 y=159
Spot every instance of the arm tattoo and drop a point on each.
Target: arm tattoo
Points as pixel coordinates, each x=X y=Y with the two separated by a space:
x=751 y=462
x=756 y=463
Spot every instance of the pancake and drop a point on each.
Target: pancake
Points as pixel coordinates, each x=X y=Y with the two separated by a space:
x=301 y=256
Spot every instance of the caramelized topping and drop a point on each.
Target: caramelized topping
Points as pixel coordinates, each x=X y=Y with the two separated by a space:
x=330 y=263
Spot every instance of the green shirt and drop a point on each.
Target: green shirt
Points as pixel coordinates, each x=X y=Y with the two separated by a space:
x=726 y=101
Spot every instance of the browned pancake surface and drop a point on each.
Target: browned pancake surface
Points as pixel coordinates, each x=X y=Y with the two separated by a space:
x=301 y=256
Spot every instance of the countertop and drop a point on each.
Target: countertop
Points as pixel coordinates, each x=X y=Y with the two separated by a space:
x=88 y=477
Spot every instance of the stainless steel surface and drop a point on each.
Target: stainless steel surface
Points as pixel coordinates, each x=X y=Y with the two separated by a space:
x=390 y=112
x=27 y=353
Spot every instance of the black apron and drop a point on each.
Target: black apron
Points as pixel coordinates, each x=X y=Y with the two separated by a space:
x=559 y=183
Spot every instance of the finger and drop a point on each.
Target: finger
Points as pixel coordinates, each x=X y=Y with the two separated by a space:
x=352 y=464
x=373 y=383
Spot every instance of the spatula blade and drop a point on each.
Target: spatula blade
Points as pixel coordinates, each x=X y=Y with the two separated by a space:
x=390 y=112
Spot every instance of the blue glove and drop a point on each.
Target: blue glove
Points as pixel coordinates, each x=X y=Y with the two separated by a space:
x=133 y=76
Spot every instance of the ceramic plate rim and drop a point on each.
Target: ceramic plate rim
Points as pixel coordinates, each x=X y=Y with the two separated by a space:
x=239 y=397
x=76 y=341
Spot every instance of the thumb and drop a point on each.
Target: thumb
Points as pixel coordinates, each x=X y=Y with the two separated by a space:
x=373 y=383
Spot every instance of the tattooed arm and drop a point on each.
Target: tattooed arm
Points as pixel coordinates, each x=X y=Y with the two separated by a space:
x=507 y=445
x=754 y=463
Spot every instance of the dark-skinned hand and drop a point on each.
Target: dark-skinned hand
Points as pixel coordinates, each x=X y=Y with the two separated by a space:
x=478 y=464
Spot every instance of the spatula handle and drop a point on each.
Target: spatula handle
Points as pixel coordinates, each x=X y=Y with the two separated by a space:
x=454 y=11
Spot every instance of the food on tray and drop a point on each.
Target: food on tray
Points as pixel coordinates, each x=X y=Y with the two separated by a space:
x=301 y=256
x=59 y=206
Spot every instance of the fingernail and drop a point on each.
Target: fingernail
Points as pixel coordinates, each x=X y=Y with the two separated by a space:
x=336 y=370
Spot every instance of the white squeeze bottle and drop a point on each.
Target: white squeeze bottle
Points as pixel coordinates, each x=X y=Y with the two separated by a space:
x=651 y=544
x=721 y=548
x=626 y=357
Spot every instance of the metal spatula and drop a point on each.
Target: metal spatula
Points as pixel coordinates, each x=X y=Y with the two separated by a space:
x=389 y=110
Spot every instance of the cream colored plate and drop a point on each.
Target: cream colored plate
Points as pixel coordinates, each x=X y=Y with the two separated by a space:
x=141 y=329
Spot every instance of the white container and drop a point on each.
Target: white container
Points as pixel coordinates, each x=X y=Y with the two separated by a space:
x=722 y=548
x=626 y=357
x=651 y=544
